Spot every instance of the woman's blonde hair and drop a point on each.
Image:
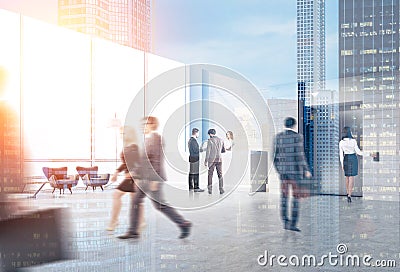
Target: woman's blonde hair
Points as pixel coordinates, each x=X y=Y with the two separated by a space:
x=230 y=133
x=151 y=121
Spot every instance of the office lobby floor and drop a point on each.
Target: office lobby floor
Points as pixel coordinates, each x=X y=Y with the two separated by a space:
x=237 y=234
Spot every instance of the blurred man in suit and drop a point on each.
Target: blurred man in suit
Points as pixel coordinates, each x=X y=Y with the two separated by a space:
x=291 y=164
x=151 y=174
x=215 y=146
x=194 y=157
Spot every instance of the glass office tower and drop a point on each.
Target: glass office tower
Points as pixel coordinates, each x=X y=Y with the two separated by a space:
x=318 y=114
x=369 y=89
x=126 y=22
x=310 y=66
x=318 y=118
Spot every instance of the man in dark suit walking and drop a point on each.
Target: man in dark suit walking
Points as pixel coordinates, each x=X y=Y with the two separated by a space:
x=215 y=147
x=291 y=164
x=194 y=157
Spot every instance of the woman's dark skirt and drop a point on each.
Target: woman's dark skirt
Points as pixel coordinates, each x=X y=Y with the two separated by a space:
x=127 y=185
x=350 y=165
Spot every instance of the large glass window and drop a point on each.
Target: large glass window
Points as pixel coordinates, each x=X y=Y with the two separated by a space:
x=75 y=92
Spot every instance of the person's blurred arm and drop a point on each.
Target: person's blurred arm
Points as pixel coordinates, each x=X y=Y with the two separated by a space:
x=196 y=149
x=276 y=154
x=191 y=147
x=341 y=156
x=207 y=152
x=114 y=176
x=202 y=148
x=121 y=168
x=228 y=145
x=357 y=149
x=306 y=168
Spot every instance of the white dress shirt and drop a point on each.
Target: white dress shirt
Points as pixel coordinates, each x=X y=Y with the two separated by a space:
x=348 y=146
x=228 y=144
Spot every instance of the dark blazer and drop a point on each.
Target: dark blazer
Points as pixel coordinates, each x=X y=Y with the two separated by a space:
x=153 y=159
x=194 y=152
x=289 y=160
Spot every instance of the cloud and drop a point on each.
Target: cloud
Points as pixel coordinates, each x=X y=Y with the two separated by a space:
x=251 y=38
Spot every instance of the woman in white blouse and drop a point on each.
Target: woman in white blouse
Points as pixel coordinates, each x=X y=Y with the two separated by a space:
x=228 y=143
x=348 y=149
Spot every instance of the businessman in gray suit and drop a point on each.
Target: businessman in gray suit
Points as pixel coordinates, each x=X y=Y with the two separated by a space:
x=215 y=146
x=291 y=164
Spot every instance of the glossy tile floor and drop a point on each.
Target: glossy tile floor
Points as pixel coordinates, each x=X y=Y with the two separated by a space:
x=230 y=236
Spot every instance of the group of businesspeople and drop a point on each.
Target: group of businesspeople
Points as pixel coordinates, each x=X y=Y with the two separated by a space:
x=145 y=172
x=214 y=149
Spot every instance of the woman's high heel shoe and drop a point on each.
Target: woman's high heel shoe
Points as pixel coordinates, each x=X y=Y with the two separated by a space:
x=112 y=226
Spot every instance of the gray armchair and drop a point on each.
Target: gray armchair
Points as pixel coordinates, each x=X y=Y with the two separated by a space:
x=90 y=177
x=59 y=179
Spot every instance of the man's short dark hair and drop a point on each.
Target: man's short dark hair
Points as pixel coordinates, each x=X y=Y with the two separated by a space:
x=195 y=130
x=211 y=131
x=290 y=122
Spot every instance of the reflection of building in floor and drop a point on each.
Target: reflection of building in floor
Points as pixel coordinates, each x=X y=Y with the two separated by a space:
x=311 y=72
x=326 y=130
x=280 y=109
x=254 y=222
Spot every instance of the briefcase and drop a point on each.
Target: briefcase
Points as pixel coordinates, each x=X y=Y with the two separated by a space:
x=307 y=187
x=33 y=238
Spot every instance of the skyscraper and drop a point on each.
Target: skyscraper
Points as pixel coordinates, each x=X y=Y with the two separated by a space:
x=318 y=120
x=317 y=106
x=369 y=89
x=325 y=117
x=126 y=22
x=310 y=66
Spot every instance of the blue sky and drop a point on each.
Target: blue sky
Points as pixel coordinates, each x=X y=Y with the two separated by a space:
x=256 y=38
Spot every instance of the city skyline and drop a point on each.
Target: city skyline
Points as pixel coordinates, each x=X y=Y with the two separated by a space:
x=70 y=91
x=246 y=36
